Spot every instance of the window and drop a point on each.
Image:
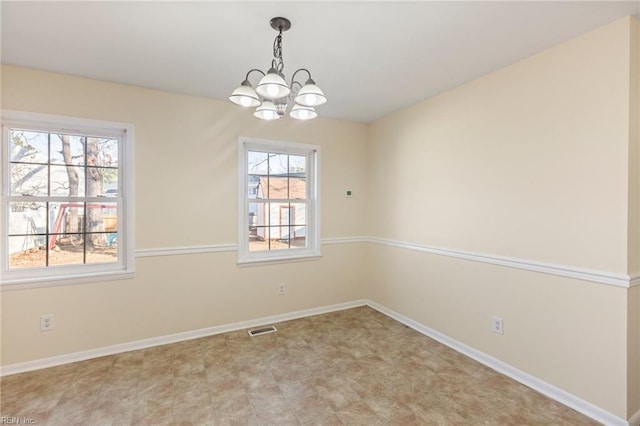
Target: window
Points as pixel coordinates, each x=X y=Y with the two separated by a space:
x=65 y=192
x=278 y=201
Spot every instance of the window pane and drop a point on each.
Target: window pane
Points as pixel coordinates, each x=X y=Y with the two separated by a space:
x=278 y=188
x=106 y=253
x=278 y=214
x=298 y=214
x=258 y=214
x=100 y=223
x=256 y=239
x=67 y=149
x=279 y=237
x=27 y=252
x=257 y=163
x=101 y=217
x=285 y=214
x=66 y=219
x=27 y=227
x=66 y=253
x=259 y=239
x=99 y=179
x=257 y=186
x=110 y=217
x=27 y=219
x=299 y=236
x=29 y=179
x=298 y=165
x=67 y=181
x=106 y=152
x=278 y=164
x=299 y=231
x=297 y=188
x=29 y=147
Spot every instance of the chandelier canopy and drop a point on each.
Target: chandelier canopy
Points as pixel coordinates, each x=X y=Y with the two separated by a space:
x=273 y=96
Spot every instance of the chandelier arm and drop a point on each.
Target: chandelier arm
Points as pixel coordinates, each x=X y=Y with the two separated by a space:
x=295 y=87
x=293 y=77
x=252 y=70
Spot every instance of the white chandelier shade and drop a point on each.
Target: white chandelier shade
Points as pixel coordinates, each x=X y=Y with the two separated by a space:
x=310 y=95
x=300 y=112
x=245 y=96
x=273 y=86
x=273 y=96
x=267 y=111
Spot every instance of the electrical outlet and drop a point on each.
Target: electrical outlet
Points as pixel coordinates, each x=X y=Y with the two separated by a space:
x=46 y=322
x=282 y=289
x=497 y=325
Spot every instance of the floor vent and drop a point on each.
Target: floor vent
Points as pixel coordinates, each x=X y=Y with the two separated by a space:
x=263 y=330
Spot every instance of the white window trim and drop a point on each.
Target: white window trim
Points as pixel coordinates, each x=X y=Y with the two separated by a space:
x=245 y=257
x=66 y=275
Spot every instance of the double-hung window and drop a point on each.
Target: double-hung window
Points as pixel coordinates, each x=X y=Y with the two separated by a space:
x=278 y=200
x=66 y=195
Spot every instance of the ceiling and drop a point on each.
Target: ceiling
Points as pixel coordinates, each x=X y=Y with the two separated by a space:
x=370 y=58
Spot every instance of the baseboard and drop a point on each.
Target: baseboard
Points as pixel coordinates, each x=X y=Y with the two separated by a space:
x=541 y=386
x=53 y=361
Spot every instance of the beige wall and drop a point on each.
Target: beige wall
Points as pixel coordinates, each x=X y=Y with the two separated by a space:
x=634 y=148
x=185 y=175
x=634 y=223
x=633 y=396
x=530 y=162
x=536 y=152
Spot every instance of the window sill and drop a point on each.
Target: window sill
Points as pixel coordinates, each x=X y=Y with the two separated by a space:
x=275 y=260
x=56 y=281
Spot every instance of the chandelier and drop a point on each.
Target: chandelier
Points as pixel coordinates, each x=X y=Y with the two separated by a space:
x=272 y=96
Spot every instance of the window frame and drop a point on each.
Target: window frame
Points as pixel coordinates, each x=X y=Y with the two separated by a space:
x=69 y=274
x=312 y=211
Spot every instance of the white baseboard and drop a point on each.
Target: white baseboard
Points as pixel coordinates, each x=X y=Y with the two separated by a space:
x=53 y=361
x=541 y=386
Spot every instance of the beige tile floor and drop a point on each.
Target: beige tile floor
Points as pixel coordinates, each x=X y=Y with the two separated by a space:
x=354 y=367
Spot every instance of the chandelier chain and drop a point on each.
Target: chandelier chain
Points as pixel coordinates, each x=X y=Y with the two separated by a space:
x=277 y=61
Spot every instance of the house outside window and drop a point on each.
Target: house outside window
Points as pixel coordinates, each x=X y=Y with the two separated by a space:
x=278 y=201
x=66 y=192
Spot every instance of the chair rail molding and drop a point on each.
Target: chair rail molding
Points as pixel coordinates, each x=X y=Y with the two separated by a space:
x=600 y=277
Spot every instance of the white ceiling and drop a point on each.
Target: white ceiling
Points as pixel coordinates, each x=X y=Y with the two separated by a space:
x=370 y=58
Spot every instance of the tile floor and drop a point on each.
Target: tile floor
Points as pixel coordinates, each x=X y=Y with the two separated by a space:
x=353 y=367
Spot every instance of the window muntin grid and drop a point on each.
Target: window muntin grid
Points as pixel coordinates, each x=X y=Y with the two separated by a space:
x=279 y=201
x=278 y=193
x=54 y=219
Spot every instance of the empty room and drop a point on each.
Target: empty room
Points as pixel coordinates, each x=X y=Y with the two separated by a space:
x=320 y=213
